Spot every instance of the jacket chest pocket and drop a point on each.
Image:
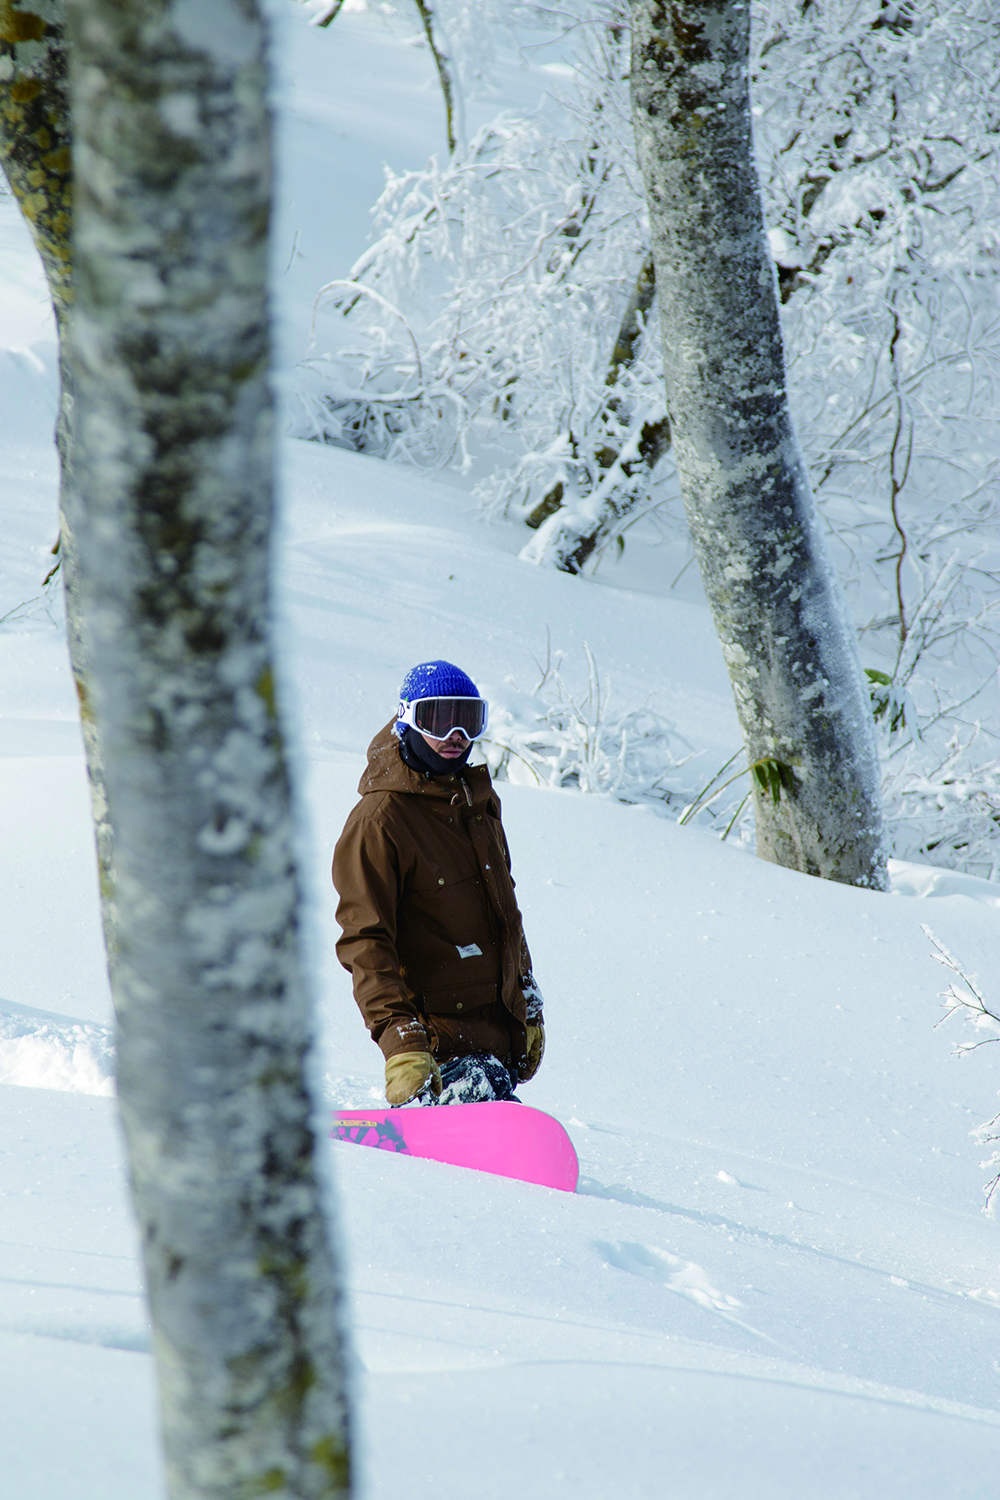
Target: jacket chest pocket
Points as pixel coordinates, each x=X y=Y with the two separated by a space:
x=446 y=856
x=453 y=899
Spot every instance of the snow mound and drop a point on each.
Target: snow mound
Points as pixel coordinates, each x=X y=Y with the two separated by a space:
x=909 y=879
x=42 y=1050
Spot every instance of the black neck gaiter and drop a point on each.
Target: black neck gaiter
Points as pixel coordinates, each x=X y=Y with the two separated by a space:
x=419 y=756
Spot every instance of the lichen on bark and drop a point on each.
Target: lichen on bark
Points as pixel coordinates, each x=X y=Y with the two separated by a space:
x=35 y=145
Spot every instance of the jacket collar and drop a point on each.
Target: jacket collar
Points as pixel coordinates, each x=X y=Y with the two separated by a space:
x=388 y=772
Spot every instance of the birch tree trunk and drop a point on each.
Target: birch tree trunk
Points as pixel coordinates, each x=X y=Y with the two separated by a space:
x=36 y=155
x=173 y=462
x=779 y=611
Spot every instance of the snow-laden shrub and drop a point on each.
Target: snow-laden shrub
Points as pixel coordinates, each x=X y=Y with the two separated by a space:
x=965 y=998
x=557 y=737
x=478 y=329
x=877 y=129
x=947 y=813
x=940 y=755
x=584 y=739
x=941 y=788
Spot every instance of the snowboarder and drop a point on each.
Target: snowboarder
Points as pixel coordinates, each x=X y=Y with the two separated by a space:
x=431 y=930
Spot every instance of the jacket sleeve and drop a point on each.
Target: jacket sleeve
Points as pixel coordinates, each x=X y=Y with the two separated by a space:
x=369 y=881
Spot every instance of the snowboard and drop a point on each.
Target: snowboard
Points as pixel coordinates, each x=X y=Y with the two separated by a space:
x=511 y=1140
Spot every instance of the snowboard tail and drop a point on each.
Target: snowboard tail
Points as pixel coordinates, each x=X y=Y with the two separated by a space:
x=510 y=1140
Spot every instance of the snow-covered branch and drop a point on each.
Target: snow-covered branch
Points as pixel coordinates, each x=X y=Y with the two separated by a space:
x=966 y=998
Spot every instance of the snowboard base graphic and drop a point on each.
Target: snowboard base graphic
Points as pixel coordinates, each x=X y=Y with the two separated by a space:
x=511 y=1140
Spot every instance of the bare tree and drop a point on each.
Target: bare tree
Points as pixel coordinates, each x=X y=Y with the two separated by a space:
x=778 y=609
x=173 y=464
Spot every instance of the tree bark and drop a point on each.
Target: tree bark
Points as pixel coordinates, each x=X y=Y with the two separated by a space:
x=35 y=145
x=36 y=155
x=173 y=463
x=779 y=612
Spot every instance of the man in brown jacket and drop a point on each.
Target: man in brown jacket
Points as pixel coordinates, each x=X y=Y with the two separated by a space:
x=432 y=933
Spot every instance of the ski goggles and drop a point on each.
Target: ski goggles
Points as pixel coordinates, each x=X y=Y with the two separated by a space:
x=440 y=717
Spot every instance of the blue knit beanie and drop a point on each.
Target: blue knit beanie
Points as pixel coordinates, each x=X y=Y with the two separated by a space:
x=437 y=679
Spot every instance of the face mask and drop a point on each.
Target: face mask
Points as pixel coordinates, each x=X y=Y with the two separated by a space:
x=419 y=756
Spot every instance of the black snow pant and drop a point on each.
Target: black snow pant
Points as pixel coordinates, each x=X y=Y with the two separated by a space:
x=479 y=1078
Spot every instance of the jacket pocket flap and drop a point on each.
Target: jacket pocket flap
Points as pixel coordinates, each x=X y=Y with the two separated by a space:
x=454 y=999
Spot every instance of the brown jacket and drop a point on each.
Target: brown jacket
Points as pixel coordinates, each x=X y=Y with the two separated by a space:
x=432 y=933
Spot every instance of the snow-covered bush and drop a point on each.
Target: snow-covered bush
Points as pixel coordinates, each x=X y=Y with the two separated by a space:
x=554 y=736
x=581 y=738
x=878 y=128
x=941 y=785
x=965 y=998
x=948 y=813
x=940 y=757
x=486 y=314
x=479 y=330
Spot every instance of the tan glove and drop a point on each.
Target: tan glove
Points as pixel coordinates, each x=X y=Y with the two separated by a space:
x=536 y=1049
x=408 y=1074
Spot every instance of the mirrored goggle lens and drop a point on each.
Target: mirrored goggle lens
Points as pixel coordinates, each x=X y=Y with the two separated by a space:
x=439 y=716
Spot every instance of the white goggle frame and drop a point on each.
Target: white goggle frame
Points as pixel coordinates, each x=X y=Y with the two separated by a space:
x=408 y=712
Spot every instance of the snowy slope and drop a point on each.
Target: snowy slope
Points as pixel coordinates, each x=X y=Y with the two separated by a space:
x=774 y=1281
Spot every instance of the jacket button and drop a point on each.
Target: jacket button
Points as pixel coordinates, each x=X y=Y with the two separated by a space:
x=440 y=880
x=458 y=1005
x=479 y=817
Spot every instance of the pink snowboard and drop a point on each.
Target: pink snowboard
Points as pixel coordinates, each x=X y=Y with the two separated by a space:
x=512 y=1140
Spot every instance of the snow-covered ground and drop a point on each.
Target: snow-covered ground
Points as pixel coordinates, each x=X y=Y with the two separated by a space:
x=775 y=1279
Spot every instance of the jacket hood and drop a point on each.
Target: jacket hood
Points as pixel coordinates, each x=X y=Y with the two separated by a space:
x=388 y=772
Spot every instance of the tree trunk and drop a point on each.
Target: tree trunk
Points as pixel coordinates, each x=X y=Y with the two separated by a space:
x=36 y=155
x=173 y=465
x=779 y=612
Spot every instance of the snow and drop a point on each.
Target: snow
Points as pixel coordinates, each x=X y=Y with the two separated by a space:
x=775 y=1279
x=43 y=1050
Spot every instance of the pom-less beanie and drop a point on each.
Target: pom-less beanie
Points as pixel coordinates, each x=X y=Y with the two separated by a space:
x=437 y=679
